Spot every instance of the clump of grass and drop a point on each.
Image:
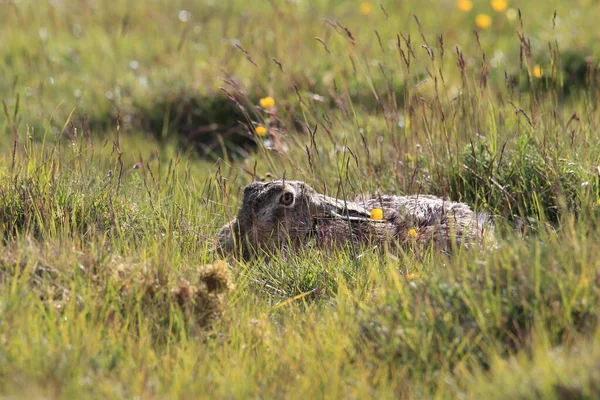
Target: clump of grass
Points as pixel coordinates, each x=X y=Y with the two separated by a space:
x=474 y=308
x=573 y=70
x=212 y=124
x=580 y=70
x=544 y=372
x=522 y=182
x=198 y=292
x=41 y=206
x=290 y=275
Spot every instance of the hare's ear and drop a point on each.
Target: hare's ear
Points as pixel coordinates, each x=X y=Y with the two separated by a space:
x=251 y=192
x=252 y=189
x=347 y=210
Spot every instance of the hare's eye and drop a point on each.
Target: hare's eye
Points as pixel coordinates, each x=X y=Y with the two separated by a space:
x=287 y=198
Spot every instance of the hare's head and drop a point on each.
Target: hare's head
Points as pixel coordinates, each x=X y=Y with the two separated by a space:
x=281 y=214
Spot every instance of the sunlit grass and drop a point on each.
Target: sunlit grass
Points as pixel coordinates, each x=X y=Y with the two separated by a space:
x=109 y=285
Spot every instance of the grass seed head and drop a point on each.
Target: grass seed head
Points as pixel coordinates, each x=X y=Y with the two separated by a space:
x=216 y=277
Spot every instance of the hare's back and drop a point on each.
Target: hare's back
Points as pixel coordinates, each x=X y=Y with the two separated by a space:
x=425 y=209
x=426 y=206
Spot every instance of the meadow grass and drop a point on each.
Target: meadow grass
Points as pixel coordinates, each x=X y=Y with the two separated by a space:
x=109 y=203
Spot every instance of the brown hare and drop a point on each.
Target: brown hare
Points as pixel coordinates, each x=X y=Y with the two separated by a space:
x=289 y=214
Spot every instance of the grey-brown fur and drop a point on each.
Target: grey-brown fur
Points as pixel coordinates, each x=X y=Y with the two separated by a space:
x=265 y=222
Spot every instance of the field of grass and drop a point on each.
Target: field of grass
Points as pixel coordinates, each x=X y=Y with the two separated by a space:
x=129 y=128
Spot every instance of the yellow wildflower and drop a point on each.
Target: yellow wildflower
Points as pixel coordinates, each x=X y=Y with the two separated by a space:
x=366 y=8
x=483 y=21
x=412 y=276
x=537 y=71
x=412 y=233
x=598 y=202
x=267 y=102
x=464 y=5
x=261 y=130
x=377 y=214
x=499 y=5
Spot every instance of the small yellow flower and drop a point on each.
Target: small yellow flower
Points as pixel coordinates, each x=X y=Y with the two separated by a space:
x=483 y=21
x=377 y=214
x=499 y=5
x=267 y=102
x=412 y=233
x=366 y=8
x=410 y=277
x=261 y=130
x=598 y=202
x=537 y=71
x=464 y=5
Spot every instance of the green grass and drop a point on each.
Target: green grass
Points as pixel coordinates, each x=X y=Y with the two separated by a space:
x=109 y=286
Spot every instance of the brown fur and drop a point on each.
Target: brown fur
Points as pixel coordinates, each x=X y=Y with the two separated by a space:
x=265 y=223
